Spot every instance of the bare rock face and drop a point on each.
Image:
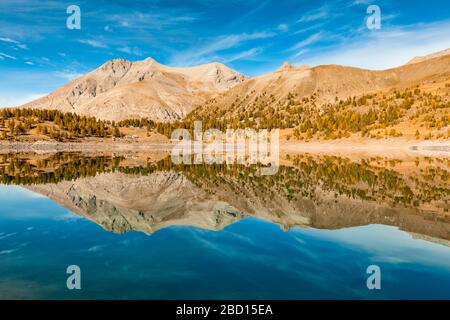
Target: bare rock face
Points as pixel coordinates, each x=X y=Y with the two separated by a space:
x=121 y=203
x=121 y=89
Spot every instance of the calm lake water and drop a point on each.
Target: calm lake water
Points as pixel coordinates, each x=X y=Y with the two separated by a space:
x=145 y=230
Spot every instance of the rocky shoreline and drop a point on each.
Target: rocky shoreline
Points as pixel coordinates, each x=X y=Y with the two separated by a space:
x=51 y=147
x=341 y=147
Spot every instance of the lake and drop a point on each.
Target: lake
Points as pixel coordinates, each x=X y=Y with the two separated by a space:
x=140 y=227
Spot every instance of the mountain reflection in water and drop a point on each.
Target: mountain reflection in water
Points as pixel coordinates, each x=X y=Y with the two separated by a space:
x=142 y=193
x=218 y=235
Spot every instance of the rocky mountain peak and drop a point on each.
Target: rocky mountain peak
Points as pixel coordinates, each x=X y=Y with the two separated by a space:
x=121 y=89
x=286 y=66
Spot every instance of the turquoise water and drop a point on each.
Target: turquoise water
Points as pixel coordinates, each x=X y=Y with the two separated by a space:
x=250 y=259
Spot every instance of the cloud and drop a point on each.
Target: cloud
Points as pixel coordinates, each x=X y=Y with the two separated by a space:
x=314 y=15
x=28 y=19
x=283 y=27
x=8 y=235
x=310 y=28
x=4 y=252
x=255 y=8
x=22 y=46
x=9 y=40
x=94 y=43
x=131 y=50
x=96 y=248
x=4 y=55
x=358 y=2
x=150 y=21
x=385 y=48
x=16 y=44
x=300 y=53
x=17 y=99
x=124 y=23
x=306 y=42
x=243 y=55
x=68 y=217
x=208 y=52
x=68 y=75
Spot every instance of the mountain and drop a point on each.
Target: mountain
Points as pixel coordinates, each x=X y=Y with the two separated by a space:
x=269 y=97
x=121 y=89
x=121 y=203
x=148 y=192
x=430 y=56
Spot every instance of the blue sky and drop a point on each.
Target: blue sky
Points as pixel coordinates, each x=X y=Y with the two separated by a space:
x=39 y=54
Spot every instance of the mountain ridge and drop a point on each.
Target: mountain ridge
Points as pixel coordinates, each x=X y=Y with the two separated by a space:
x=275 y=100
x=120 y=89
x=430 y=56
x=167 y=198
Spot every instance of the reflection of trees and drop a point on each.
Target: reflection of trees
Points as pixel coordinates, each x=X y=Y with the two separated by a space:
x=362 y=180
x=15 y=169
x=309 y=177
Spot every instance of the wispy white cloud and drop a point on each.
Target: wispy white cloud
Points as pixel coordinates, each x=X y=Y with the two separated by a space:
x=316 y=14
x=67 y=217
x=8 y=235
x=131 y=50
x=68 y=75
x=385 y=48
x=300 y=53
x=4 y=252
x=143 y=21
x=317 y=26
x=19 y=19
x=4 y=55
x=17 y=99
x=16 y=44
x=357 y=2
x=206 y=52
x=94 y=43
x=96 y=248
x=8 y=40
x=243 y=55
x=283 y=27
x=308 y=41
x=256 y=7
